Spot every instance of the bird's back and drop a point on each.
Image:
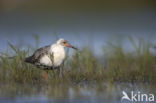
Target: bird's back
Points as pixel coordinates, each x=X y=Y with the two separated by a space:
x=38 y=54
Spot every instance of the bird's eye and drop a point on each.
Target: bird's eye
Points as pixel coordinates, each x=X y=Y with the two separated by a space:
x=64 y=42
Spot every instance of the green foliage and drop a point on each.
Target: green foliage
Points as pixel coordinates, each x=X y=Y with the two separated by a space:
x=119 y=66
x=138 y=66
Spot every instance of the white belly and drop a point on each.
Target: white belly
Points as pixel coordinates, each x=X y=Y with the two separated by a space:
x=58 y=58
x=45 y=60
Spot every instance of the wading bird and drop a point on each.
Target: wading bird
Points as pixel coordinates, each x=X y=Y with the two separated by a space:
x=50 y=57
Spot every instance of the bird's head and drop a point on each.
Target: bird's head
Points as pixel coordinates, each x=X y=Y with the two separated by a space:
x=65 y=43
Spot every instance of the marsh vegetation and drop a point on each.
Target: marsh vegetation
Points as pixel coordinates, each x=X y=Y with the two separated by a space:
x=82 y=73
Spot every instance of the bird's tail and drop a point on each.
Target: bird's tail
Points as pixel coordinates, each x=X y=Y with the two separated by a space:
x=28 y=59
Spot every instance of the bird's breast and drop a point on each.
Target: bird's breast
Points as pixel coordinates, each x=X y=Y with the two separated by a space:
x=59 y=56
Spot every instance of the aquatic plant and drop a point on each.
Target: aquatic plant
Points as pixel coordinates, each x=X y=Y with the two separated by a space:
x=115 y=65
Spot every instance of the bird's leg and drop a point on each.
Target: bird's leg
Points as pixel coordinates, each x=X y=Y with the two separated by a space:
x=46 y=75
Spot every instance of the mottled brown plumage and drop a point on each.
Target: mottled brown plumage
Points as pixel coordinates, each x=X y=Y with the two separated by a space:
x=35 y=58
x=51 y=56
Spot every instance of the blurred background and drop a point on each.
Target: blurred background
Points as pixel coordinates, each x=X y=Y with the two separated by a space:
x=84 y=23
x=81 y=22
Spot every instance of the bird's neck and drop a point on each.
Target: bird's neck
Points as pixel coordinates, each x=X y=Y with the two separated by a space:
x=57 y=47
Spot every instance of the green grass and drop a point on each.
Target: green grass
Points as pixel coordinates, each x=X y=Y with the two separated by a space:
x=140 y=65
x=82 y=68
x=116 y=65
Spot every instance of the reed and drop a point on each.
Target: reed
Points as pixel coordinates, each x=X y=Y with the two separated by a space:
x=119 y=66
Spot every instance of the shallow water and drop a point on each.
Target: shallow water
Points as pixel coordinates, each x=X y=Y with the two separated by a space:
x=76 y=93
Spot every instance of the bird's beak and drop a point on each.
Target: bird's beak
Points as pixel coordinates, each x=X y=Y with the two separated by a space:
x=70 y=46
x=74 y=47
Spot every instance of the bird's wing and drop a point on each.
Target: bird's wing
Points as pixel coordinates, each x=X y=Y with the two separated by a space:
x=41 y=52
